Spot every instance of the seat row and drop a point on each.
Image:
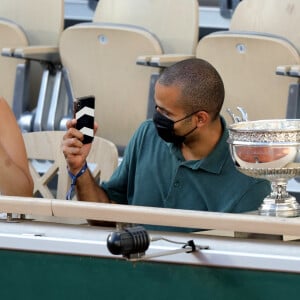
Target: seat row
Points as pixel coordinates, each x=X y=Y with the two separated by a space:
x=118 y=56
x=261 y=44
x=99 y=58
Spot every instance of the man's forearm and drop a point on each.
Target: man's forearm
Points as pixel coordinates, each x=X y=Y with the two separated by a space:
x=87 y=189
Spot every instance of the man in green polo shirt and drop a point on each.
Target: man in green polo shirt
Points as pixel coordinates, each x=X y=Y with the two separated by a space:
x=180 y=158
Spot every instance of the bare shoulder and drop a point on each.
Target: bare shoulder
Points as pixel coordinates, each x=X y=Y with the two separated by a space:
x=4 y=107
x=6 y=112
x=3 y=102
x=7 y=119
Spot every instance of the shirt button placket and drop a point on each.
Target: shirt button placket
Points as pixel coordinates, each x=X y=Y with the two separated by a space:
x=176 y=184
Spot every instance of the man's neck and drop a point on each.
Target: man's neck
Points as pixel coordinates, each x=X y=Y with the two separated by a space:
x=203 y=144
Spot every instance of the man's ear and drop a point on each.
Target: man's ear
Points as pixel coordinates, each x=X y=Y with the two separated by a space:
x=203 y=117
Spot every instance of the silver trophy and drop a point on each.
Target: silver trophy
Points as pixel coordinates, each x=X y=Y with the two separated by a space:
x=269 y=149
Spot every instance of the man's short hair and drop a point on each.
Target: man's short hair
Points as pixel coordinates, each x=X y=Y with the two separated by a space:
x=201 y=85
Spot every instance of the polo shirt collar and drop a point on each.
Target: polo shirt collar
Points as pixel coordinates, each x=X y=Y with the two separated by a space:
x=214 y=162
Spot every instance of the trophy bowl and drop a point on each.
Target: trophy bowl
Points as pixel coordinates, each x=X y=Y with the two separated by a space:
x=269 y=149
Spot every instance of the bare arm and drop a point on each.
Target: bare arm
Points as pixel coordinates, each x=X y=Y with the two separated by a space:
x=76 y=153
x=15 y=178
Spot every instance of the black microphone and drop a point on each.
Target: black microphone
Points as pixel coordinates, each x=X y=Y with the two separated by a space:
x=131 y=241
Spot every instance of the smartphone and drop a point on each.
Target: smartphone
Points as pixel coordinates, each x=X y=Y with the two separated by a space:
x=84 y=113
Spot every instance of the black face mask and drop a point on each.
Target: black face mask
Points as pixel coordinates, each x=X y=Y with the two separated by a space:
x=165 y=128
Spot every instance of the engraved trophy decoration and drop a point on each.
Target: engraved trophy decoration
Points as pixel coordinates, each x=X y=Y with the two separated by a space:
x=268 y=149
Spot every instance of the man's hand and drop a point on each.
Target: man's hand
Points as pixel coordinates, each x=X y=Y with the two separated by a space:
x=74 y=150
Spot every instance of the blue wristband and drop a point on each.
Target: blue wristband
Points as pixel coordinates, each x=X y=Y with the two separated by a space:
x=74 y=179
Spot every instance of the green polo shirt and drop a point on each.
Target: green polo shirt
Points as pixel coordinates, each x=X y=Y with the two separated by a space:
x=154 y=173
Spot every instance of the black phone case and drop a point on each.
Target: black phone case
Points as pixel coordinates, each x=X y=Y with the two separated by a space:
x=84 y=111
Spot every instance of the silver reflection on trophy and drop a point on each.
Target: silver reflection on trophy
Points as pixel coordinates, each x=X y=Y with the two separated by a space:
x=269 y=149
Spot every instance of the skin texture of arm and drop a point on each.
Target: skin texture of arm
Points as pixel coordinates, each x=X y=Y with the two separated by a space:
x=15 y=178
x=76 y=153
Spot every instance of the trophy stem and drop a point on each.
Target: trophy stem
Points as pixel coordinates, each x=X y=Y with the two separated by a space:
x=279 y=202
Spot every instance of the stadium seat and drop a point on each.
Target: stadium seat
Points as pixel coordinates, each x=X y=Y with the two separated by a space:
x=48 y=165
x=100 y=61
x=42 y=23
x=252 y=54
x=174 y=22
x=278 y=18
x=247 y=63
x=269 y=16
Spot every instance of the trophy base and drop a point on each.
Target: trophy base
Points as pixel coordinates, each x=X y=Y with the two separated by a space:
x=287 y=207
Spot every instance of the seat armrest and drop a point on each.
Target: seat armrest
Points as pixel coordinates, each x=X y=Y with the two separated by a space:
x=283 y=70
x=295 y=71
x=288 y=70
x=47 y=54
x=164 y=60
x=143 y=60
x=7 y=52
